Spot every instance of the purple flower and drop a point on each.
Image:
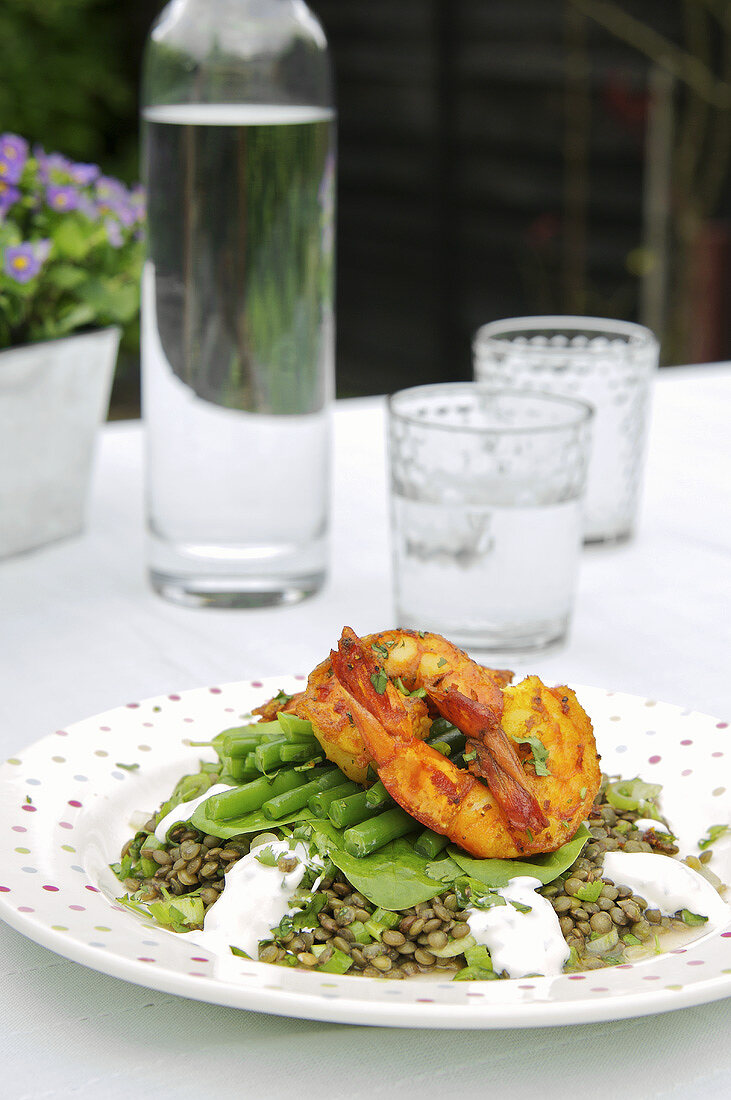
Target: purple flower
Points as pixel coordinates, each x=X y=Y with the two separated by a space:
x=84 y=174
x=109 y=188
x=50 y=163
x=8 y=195
x=114 y=233
x=62 y=197
x=87 y=207
x=138 y=202
x=41 y=249
x=126 y=213
x=13 y=155
x=21 y=262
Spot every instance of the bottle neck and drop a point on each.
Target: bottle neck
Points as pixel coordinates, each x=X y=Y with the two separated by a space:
x=237 y=51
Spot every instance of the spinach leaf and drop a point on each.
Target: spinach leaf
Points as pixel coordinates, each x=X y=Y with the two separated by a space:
x=254 y=822
x=498 y=872
x=394 y=877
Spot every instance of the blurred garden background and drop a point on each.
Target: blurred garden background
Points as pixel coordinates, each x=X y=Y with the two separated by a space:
x=496 y=159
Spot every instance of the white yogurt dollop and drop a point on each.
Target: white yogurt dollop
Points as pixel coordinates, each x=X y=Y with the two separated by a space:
x=185 y=810
x=667 y=884
x=254 y=900
x=521 y=943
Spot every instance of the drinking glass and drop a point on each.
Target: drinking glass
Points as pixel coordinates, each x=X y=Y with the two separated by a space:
x=486 y=490
x=609 y=364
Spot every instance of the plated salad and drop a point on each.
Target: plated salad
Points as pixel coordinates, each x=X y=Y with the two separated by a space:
x=411 y=812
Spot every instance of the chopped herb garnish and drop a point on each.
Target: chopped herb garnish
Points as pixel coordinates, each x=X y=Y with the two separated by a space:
x=266 y=856
x=539 y=753
x=473 y=894
x=379 y=680
x=239 y=952
x=692 y=919
x=715 y=832
x=590 y=891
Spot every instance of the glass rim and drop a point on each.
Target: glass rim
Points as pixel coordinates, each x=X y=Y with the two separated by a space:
x=639 y=337
x=583 y=411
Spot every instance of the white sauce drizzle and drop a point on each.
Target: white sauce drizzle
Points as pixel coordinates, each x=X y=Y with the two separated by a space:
x=645 y=823
x=667 y=884
x=521 y=943
x=185 y=810
x=253 y=902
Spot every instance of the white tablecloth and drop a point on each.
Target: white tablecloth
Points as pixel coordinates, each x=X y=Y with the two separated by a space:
x=82 y=632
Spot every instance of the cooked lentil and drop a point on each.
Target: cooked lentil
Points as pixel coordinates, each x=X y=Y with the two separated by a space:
x=191 y=862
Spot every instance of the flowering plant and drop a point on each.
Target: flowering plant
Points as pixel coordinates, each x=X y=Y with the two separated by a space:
x=70 y=245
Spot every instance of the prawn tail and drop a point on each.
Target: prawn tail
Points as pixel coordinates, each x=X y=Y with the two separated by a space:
x=518 y=805
x=496 y=758
x=356 y=669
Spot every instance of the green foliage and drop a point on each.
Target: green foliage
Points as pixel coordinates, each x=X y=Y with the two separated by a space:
x=70 y=246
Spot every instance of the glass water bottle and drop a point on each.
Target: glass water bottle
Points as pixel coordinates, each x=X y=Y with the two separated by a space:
x=237 y=314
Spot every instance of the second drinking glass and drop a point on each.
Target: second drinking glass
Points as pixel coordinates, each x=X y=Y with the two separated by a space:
x=486 y=494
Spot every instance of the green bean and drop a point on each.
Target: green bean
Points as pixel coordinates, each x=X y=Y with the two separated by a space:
x=291 y=801
x=344 y=812
x=293 y=753
x=429 y=844
x=442 y=727
x=242 y=800
x=238 y=769
x=451 y=736
x=269 y=755
x=377 y=794
x=293 y=727
x=297 y=738
x=320 y=803
x=240 y=747
x=361 y=840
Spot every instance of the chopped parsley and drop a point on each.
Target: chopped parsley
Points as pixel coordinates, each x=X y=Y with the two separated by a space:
x=692 y=919
x=714 y=833
x=266 y=856
x=539 y=753
x=419 y=693
x=379 y=680
x=590 y=891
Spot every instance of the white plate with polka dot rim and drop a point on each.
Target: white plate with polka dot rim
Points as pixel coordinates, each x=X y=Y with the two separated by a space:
x=65 y=807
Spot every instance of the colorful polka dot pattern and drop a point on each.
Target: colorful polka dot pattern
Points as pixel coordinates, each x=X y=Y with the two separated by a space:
x=66 y=897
